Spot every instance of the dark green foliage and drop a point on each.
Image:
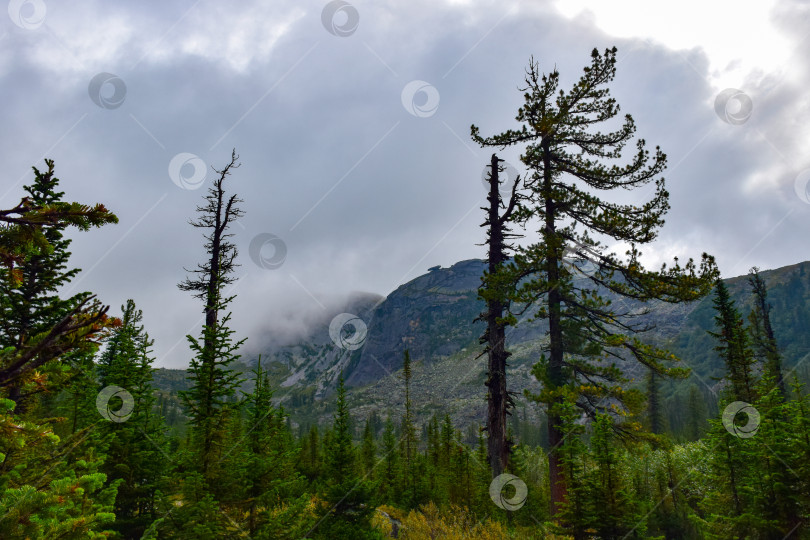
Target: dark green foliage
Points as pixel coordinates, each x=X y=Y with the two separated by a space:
x=137 y=448
x=210 y=400
x=733 y=345
x=655 y=414
x=695 y=414
x=368 y=450
x=758 y=454
x=50 y=484
x=571 y=165
x=616 y=511
x=310 y=454
x=36 y=325
x=267 y=460
x=409 y=496
x=345 y=511
x=761 y=329
x=389 y=483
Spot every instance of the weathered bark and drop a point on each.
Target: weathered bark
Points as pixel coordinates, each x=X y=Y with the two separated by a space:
x=498 y=401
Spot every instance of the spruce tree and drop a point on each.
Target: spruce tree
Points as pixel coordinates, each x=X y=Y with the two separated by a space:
x=368 y=450
x=310 y=455
x=209 y=400
x=615 y=511
x=390 y=485
x=266 y=467
x=346 y=512
x=137 y=447
x=695 y=414
x=655 y=414
x=571 y=164
x=36 y=324
x=733 y=345
x=762 y=335
x=50 y=485
x=408 y=440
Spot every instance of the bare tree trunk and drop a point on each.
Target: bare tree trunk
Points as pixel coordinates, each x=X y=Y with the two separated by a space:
x=498 y=400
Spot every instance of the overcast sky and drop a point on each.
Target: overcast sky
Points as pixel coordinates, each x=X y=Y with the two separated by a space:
x=352 y=126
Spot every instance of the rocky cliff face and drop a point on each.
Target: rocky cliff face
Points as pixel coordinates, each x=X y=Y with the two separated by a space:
x=431 y=316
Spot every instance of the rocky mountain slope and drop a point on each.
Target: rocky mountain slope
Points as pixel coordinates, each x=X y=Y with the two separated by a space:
x=432 y=316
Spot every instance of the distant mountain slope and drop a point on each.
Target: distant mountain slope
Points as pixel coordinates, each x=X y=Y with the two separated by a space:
x=432 y=317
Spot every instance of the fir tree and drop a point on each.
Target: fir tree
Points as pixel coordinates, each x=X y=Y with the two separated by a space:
x=346 y=511
x=210 y=399
x=389 y=482
x=310 y=456
x=615 y=512
x=762 y=334
x=137 y=447
x=655 y=414
x=696 y=414
x=733 y=345
x=408 y=440
x=266 y=467
x=368 y=450
x=36 y=324
x=50 y=486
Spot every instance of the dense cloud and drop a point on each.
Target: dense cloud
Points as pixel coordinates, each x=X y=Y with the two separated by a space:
x=365 y=195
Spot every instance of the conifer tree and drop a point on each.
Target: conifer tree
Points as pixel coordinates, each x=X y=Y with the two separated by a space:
x=389 y=482
x=310 y=456
x=695 y=414
x=733 y=345
x=137 y=447
x=50 y=486
x=408 y=439
x=267 y=473
x=368 y=450
x=210 y=398
x=655 y=414
x=571 y=164
x=615 y=512
x=36 y=324
x=346 y=511
x=762 y=334
x=494 y=290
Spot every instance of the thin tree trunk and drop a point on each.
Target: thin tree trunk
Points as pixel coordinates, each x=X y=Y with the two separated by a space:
x=211 y=312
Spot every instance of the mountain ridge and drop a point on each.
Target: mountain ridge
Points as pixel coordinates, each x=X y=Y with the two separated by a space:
x=432 y=316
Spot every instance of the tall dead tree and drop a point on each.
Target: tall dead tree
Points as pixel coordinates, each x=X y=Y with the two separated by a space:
x=494 y=290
